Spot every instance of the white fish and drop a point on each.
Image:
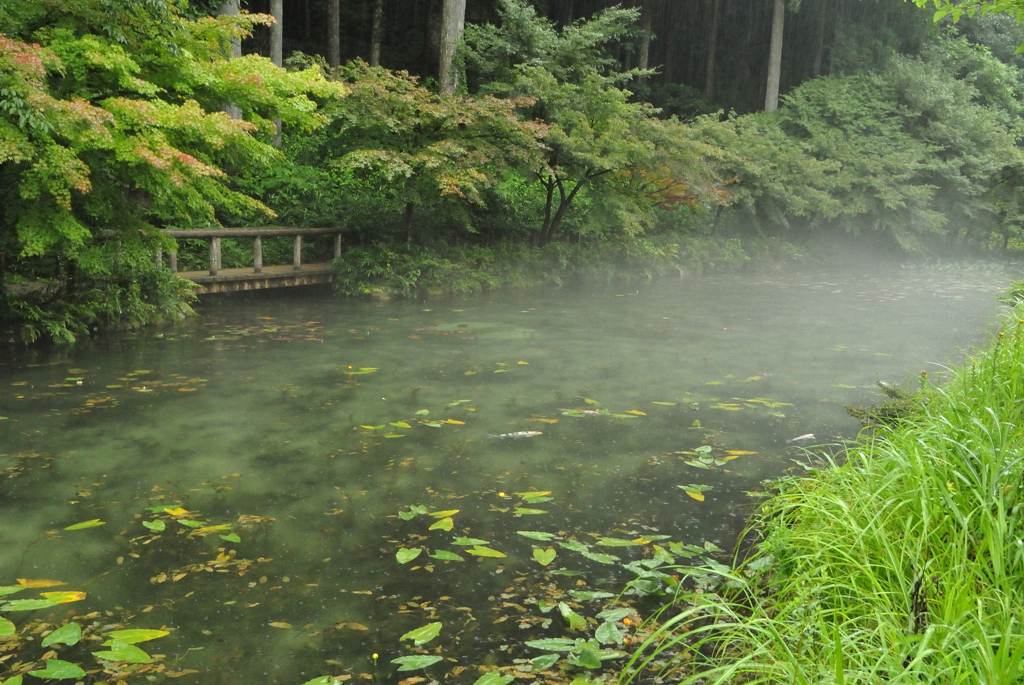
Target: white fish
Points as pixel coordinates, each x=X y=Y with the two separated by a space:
x=520 y=434
x=801 y=438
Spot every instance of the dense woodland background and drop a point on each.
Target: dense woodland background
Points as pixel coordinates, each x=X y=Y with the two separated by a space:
x=569 y=137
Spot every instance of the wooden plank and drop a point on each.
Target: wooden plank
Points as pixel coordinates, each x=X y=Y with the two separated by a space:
x=267 y=232
x=232 y=280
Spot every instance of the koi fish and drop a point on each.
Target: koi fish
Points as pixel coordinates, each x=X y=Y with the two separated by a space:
x=801 y=438
x=520 y=434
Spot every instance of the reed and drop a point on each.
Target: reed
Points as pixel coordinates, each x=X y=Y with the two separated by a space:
x=903 y=564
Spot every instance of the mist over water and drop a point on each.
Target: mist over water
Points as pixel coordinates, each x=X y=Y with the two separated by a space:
x=303 y=407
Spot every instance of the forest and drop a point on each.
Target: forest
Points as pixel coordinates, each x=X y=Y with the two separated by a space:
x=473 y=145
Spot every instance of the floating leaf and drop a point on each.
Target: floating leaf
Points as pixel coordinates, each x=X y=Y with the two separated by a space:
x=600 y=558
x=16 y=680
x=696 y=495
x=469 y=542
x=405 y=555
x=59 y=670
x=122 y=651
x=422 y=636
x=423 y=412
x=68 y=634
x=544 y=556
x=536 y=535
x=576 y=622
x=43 y=582
x=486 y=552
x=494 y=677
x=63 y=597
x=11 y=589
x=634 y=411
x=616 y=542
x=537 y=500
x=587 y=658
x=697 y=464
x=393 y=435
x=565 y=572
x=176 y=511
x=323 y=680
x=412 y=663
x=534 y=493
x=593 y=402
x=445 y=555
x=443 y=524
x=666 y=404
x=7 y=629
x=280 y=624
x=608 y=632
x=432 y=424
x=529 y=512
x=624 y=416
x=27 y=605
x=614 y=614
x=553 y=644
x=135 y=635
x=191 y=524
x=454 y=422
x=574 y=545
x=587 y=595
x=87 y=524
x=231 y=537
x=444 y=514
x=545 y=661
x=157 y=525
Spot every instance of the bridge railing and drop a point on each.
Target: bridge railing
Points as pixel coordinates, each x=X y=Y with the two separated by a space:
x=213 y=236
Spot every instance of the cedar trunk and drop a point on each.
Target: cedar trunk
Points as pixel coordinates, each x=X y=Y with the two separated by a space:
x=453 y=22
x=334 y=33
x=377 y=32
x=771 y=96
x=709 y=76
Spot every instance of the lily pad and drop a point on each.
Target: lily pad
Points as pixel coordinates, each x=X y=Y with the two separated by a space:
x=8 y=629
x=412 y=663
x=68 y=634
x=443 y=524
x=469 y=542
x=59 y=670
x=135 y=635
x=545 y=661
x=405 y=555
x=445 y=555
x=544 y=556
x=86 y=524
x=122 y=651
x=553 y=644
x=486 y=552
x=422 y=636
x=536 y=535
x=27 y=605
x=157 y=525
x=494 y=677
x=529 y=512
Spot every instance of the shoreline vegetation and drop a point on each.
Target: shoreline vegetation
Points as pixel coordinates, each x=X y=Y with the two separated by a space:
x=903 y=562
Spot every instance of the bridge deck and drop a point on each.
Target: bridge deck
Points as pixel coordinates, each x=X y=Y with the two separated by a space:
x=232 y=280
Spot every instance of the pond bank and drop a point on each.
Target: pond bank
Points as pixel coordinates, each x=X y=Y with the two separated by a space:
x=903 y=564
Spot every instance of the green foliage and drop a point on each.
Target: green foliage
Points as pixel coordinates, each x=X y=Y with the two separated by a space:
x=109 y=131
x=901 y=565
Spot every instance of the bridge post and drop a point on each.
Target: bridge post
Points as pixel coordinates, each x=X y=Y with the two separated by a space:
x=160 y=257
x=297 y=252
x=174 y=261
x=337 y=246
x=257 y=255
x=214 y=256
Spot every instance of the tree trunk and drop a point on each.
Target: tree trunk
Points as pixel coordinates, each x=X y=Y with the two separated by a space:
x=305 y=7
x=819 y=49
x=567 y=16
x=453 y=22
x=230 y=8
x=644 y=58
x=334 y=33
x=277 y=32
x=709 y=76
x=377 y=32
x=771 y=96
x=409 y=206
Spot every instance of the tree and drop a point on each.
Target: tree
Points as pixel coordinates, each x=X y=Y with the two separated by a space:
x=418 y=147
x=100 y=147
x=771 y=98
x=453 y=22
x=597 y=140
x=376 y=32
x=958 y=8
x=333 y=33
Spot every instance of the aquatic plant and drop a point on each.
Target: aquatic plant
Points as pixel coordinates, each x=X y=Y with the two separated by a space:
x=905 y=564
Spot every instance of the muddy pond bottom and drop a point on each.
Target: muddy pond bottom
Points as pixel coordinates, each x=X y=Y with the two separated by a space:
x=289 y=483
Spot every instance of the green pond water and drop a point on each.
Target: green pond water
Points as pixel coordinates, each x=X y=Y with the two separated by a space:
x=332 y=416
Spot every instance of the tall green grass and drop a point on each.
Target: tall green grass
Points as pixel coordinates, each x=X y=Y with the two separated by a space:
x=903 y=564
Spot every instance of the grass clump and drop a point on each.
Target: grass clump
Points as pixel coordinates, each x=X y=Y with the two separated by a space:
x=905 y=564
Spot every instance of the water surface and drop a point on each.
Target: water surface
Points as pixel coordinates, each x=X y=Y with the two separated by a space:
x=315 y=412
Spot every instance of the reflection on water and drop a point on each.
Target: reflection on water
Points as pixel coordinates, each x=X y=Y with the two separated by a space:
x=331 y=416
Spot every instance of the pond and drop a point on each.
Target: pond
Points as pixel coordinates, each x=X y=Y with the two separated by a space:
x=258 y=479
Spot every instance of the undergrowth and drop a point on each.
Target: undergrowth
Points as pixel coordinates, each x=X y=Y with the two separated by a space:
x=904 y=564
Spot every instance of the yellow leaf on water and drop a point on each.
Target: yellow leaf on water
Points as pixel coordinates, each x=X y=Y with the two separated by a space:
x=739 y=453
x=470 y=373
x=444 y=514
x=545 y=420
x=696 y=495
x=176 y=511
x=455 y=422
x=354 y=626
x=279 y=624
x=25 y=582
x=411 y=681
x=63 y=597
x=523 y=363
x=634 y=411
x=443 y=524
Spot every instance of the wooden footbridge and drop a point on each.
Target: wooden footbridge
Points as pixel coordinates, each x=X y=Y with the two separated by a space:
x=220 y=280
